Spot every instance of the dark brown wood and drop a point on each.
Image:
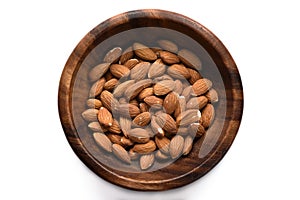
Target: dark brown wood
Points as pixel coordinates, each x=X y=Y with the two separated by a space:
x=207 y=152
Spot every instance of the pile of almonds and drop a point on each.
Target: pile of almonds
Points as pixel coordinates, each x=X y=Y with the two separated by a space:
x=149 y=103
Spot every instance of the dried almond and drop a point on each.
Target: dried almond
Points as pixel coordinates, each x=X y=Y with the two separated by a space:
x=176 y=146
x=197 y=102
x=190 y=59
x=178 y=71
x=170 y=102
x=131 y=63
x=115 y=127
x=96 y=127
x=162 y=78
x=186 y=92
x=144 y=107
x=126 y=142
x=208 y=115
x=178 y=87
x=142 y=119
x=133 y=155
x=157 y=69
x=113 y=55
x=98 y=71
x=94 y=103
x=181 y=106
x=168 y=57
x=90 y=114
x=161 y=156
x=103 y=141
x=167 y=122
x=121 y=153
x=195 y=75
x=163 y=87
x=163 y=144
x=140 y=71
x=105 y=117
x=125 y=125
x=108 y=100
x=145 y=93
x=132 y=91
x=197 y=129
x=128 y=110
x=188 y=145
x=119 y=71
x=144 y=52
x=201 y=86
x=108 y=76
x=154 y=102
x=119 y=90
x=110 y=85
x=187 y=117
x=138 y=135
x=146 y=161
x=145 y=148
x=97 y=87
x=168 y=45
x=156 y=129
x=134 y=102
x=114 y=138
x=126 y=55
x=212 y=96
x=183 y=131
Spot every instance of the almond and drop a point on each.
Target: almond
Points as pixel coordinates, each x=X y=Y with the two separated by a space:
x=163 y=144
x=128 y=110
x=161 y=156
x=98 y=71
x=157 y=69
x=163 y=87
x=142 y=119
x=178 y=71
x=186 y=92
x=140 y=71
x=167 y=122
x=138 y=135
x=188 y=145
x=131 y=63
x=97 y=87
x=125 y=125
x=114 y=138
x=144 y=107
x=126 y=142
x=121 y=153
x=187 y=117
x=145 y=148
x=119 y=71
x=113 y=55
x=115 y=127
x=90 y=115
x=195 y=75
x=145 y=93
x=94 y=103
x=181 y=106
x=126 y=55
x=212 y=96
x=108 y=76
x=119 y=90
x=157 y=130
x=144 y=52
x=154 y=102
x=168 y=57
x=96 y=127
x=197 y=129
x=162 y=78
x=108 y=100
x=183 y=131
x=105 y=117
x=132 y=91
x=176 y=146
x=170 y=102
x=168 y=45
x=201 y=86
x=146 y=161
x=178 y=87
x=197 y=102
x=103 y=141
x=110 y=85
x=134 y=102
x=208 y=115
x=190 y=59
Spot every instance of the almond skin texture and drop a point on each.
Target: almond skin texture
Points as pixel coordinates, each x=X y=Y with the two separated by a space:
x=157 y=69
x=128 y=110
x=139 y=135
x=188 y=145
x=133 y=91
x=97 y=87
x=201 y=86
x=125 y=125
x=119 y=90
x=154 y=102
x=208 y=115
x=108 y=100
x=166 y=122
x=105 y=117
x=197 y=102
x=110 y=85
x=115 y=127
x=176 y=146
x=144 y=52
x=163 y=144
x=157 y=130
x=212 y=96
x=126 y=55
x=119 y=71
x=168 y=57
x=145 y=148
x=190 y=59
x=178 y=87
x=121 y=153
x=115 y=138
x=181 y=106
x=140 y=71
x=142 y=119
x=131 y=63
x=168 y=45
x=96 y=127
x=94 y=103
x=178 y=71
x=170 y=102
x=197 y=129
x=103 y=141
x=163 y=87
x=145 y=93
x=98 y=71
x=187 y=117
x=90 y=115
x=195 y=75
x=146 y=161
x=113 y=55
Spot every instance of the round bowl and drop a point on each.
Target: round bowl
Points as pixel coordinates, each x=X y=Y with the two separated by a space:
x=148 y=26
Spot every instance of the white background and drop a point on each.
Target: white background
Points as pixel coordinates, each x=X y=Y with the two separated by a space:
x=36 y=39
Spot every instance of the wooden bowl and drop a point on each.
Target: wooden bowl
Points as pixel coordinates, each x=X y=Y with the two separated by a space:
x=147 y=26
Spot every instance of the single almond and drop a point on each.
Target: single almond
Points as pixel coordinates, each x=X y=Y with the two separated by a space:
x=178 y=71
x=145 y=93
x=188 y=145
x=125 y=124
x=119 y=90
x=113 y=55
x=144 y=107
x=208 y=115
x=108 y=100
x=103 y=141
x=114 y=138
x=154 y=102
x=186 y=92
x=170 y=102
x=163 y=87
x=195 y=75
x=131 y=63
x=146 y=161
x=138 y=135
x=139 y=71
x=168 y=45
x=126 y=142
x=127 y=110
x=98 y=71
x=97 y=87
x=201 y=86
x=156 y=129
x=110 y=85
x=142 y=119
x=178 y=87
x=190 y=59
x=126 y=55
x=94 y=103
x=187 y=117
x=181 y=106
x=196 y=129
x=145 y=148
x=119 y=71
x=167 y=122
x=197 y=102
x=90 y=114
x=176 y=146
x=168 y=57
x=96 y=127
x=144 y=52
x=212 y=96
x=157 y=69
x=133 y=91
x=163 y=144
x=121 y=153
x=105 y=117
x=115 y=127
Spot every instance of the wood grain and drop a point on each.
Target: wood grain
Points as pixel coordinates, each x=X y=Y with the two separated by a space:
x=206 y=153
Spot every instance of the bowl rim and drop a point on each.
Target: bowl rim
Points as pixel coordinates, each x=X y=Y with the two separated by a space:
x=86 y=45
